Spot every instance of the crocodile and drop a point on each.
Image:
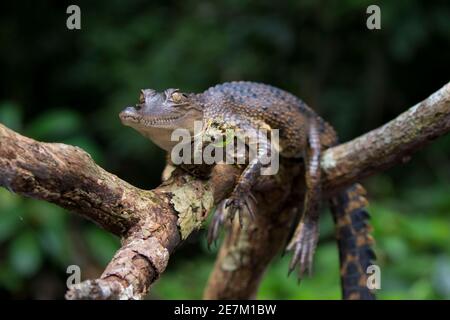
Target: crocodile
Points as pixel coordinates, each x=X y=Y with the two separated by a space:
x=251 y=107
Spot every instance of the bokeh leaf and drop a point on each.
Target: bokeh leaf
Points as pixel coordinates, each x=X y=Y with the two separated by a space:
x=25 y=255
x=11 y=115
x=59 y=123
x=102 y=245
x=11 y=214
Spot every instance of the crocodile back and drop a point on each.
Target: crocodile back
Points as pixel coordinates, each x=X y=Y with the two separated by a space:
x=262 y=103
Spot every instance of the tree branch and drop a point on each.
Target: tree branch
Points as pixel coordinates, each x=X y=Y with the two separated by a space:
x=152 y=223
x=390 y=144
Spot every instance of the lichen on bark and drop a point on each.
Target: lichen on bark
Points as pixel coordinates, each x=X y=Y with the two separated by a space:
x=192 y=205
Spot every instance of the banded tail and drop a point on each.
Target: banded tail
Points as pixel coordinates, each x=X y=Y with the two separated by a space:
x=354 y=242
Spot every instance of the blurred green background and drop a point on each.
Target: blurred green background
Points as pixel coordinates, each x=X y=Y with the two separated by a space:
x=69 y=86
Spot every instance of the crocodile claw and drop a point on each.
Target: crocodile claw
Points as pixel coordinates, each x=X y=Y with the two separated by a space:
x=216 y=222
x=228 y=209
x=303 y=243
x=238 y=205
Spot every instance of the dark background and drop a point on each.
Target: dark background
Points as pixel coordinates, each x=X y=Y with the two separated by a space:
x=69 y=86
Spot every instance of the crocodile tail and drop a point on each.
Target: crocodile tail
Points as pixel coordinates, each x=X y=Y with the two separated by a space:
x=354 y=241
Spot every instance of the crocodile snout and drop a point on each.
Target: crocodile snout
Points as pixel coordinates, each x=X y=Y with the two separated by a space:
x=129 y=114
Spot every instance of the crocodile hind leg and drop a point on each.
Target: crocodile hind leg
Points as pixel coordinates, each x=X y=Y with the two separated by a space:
x=354 y=242
x=305 y=238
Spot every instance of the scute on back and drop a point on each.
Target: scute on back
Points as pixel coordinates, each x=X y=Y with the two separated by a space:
x=276 y=107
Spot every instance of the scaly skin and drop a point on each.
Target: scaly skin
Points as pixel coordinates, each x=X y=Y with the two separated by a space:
x=354 y=241
x=251 y=107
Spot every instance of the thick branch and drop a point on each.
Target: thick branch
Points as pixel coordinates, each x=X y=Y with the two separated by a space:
x=152 y=223
x=68 y=177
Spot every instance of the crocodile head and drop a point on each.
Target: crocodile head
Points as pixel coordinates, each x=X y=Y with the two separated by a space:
x=158 y=114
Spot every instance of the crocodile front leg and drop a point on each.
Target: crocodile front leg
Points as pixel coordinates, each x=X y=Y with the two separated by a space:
x=305 y=238
x=241 y=199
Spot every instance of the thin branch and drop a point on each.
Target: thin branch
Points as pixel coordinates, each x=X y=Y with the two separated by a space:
x=390 y=144
x=133 y=268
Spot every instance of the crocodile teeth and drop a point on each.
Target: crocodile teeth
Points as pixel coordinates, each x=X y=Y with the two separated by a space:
x=159 y=121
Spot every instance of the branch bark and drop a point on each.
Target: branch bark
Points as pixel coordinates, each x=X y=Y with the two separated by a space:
x=390 y=144
x=152 y=223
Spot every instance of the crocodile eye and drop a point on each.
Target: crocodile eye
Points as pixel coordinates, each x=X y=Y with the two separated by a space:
x=177 y=97
x=142 y=97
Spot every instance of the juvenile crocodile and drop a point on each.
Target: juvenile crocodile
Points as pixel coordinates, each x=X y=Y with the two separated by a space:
x=302 y=134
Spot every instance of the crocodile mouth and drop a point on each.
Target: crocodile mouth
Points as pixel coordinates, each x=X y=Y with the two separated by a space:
x=158 y=121
x=133 y=118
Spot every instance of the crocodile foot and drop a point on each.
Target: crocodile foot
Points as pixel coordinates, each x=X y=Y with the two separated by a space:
x=238 y=204
x=303 y=243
